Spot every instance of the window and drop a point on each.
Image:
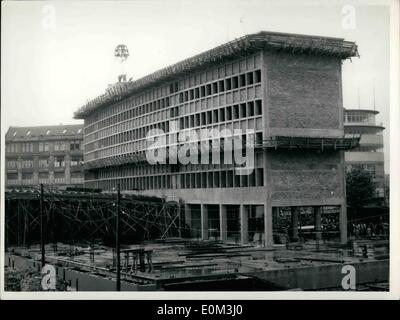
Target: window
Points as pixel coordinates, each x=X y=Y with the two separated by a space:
x=229 y=113
x=235 y=82
x=43 y=163
x=257 y=76
x=250 y=78
x=59 y=162
x=228 y=84
x=221 y=85
x=43 y=146
x=75 y=145
x=250 y=107
x=11 y=164
x=76 y=161
x=59 y=146
x=27 y=147
x=242 y=80
x=235 y=112
x=27 y=163
x=258 y=109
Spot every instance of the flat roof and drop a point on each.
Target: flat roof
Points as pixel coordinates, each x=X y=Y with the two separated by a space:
x=248 y=44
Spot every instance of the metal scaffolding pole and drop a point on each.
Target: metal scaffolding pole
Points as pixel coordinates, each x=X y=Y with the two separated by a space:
x=117 y=239
x=42 y=226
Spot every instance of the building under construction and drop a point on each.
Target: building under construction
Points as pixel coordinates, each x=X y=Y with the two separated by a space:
x=215 y=224
x=287 y=88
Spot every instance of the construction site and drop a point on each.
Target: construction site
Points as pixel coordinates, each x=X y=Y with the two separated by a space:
x=79 y=238
x=275 y=220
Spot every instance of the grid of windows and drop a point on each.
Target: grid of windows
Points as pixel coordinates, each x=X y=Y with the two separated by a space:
x=192 y=180
x=40 y=159
x=366 y=118
x=227 y=96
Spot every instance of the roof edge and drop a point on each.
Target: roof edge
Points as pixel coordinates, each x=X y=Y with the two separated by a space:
x=263 y=40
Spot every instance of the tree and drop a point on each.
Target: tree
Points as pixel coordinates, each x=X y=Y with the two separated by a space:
x=360 y=187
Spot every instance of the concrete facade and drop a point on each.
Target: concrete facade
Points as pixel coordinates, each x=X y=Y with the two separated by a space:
x=52 y=155
x=275 y=93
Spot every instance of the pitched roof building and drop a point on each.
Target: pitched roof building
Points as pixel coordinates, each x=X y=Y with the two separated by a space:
x=50 y=155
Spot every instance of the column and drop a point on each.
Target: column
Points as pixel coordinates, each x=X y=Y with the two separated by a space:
x=343 y=224
x=222 y=223
x=343 y=207
x=295 y=222
x=67 y=160
x=244 y=225
x=204 y=222
x=317 y=216
x=268 y=229
x=188 y=219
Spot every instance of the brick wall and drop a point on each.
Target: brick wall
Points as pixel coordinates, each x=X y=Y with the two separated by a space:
x=305 y=175
x=303 y=91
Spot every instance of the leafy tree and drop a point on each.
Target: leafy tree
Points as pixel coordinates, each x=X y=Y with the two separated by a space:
x=360 y=187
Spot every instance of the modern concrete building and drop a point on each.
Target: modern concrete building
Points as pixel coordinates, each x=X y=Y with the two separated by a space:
x=369 y=154
x=285 y=87
x=52 y=155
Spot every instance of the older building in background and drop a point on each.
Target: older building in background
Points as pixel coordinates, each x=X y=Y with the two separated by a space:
x=52 y=155
x=285 y=87
x=369 y=154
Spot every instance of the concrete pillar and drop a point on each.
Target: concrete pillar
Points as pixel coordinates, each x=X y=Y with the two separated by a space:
x=295 y=222
x=188 y=219
x=343 y=224
x=67 y=160
x=244 y=225
x=222 y=223
x=268 y=228
x=343 y=208
x=204 y=222
x=318 y=229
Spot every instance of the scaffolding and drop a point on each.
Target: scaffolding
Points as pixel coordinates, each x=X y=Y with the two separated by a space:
x=275 y=142
x=237 y=48
x=84 y=217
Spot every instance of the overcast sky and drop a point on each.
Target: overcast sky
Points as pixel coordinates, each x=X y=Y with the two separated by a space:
x=56 y=55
